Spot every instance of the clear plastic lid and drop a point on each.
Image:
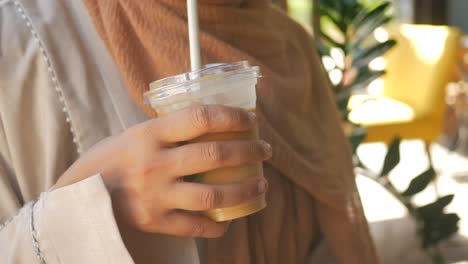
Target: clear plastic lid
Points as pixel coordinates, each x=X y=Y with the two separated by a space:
x=184 y=83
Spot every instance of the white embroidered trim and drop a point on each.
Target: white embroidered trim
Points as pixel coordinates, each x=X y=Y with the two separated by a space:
x=53 y=76
x=33 y=233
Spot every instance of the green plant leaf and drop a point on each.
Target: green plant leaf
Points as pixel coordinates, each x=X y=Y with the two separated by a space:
x=365 y=31
x=351 y=9
x=334 y=17
x=433 y=210
x=330 y=41
x=344 y=113
x=350 y=2
x=449 y=225
x=363 y=57
x=332 y=4
x=392 y=158
x=365 y=16
x=356 y=137
x=322 y=48
x=420 y=183
x=438 y=258
x=438 y=229
x=342 y=98
x=364 y=78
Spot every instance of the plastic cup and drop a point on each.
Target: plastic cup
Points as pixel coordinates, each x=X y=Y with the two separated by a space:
x=231 y=84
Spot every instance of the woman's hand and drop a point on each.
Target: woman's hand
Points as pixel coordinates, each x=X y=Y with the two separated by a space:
x=142 y=168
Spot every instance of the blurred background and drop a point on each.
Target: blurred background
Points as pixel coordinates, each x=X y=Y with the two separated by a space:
x=399 y=73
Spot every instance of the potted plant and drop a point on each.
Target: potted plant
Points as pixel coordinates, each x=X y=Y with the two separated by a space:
x=345 y=42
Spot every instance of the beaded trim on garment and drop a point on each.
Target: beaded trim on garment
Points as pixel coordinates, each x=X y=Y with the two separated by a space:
x=53 y=77
x=52 y=73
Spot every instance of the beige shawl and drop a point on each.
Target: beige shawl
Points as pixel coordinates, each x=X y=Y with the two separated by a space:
x=311 y=174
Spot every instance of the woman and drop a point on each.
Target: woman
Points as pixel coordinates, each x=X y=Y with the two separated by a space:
x=74 y=127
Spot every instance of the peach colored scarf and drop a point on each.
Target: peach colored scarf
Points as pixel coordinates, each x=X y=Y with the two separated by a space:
x=312 y=187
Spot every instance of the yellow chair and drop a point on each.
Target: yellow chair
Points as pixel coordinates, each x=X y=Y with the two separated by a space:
x=412 y=102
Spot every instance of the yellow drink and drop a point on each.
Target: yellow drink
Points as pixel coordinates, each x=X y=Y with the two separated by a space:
x=228 y=84
x=232 y=175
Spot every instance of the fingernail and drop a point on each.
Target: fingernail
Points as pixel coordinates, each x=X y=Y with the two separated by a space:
x=252 y=117
x=261 y=186
x=267 y=148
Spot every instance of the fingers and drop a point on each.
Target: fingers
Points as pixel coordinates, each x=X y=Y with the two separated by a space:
x=200 y=197
x=185 y=224
x=195 y=121
x=200 y=157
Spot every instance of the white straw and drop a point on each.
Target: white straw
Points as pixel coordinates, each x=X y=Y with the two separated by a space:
x=194 y=35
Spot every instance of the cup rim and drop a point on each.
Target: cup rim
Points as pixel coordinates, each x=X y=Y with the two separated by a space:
x=183 y=83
